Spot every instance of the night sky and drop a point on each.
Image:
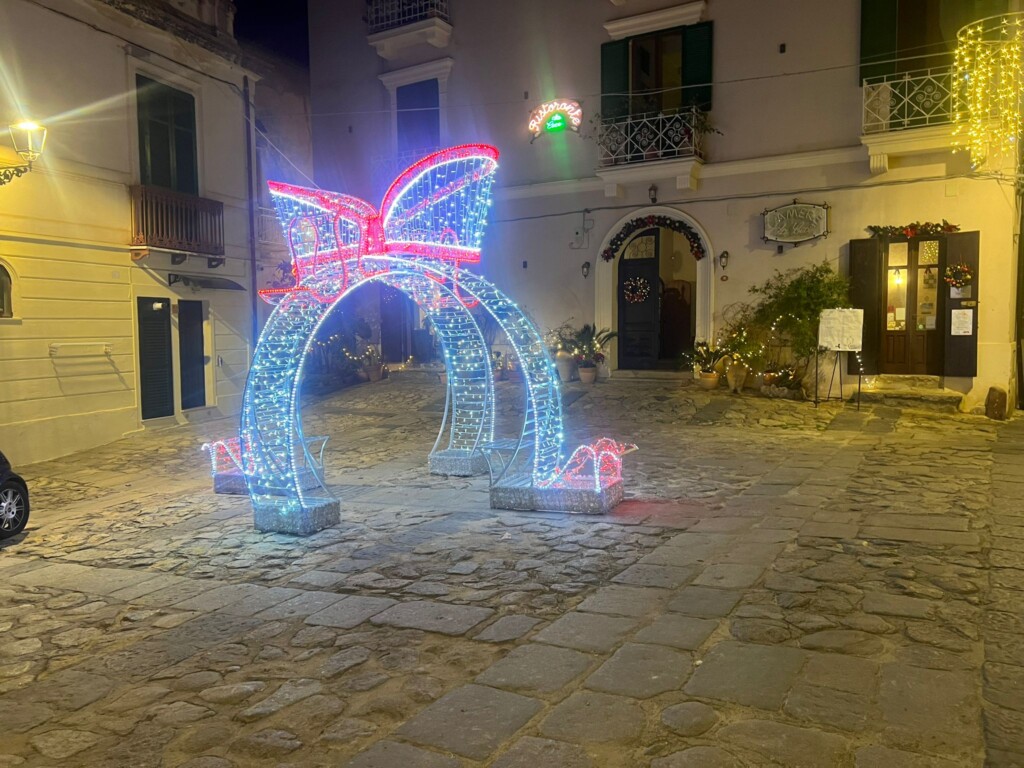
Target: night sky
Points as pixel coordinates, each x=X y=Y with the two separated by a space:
x=265 y=23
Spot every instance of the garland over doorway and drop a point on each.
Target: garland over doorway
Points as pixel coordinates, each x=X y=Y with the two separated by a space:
x=645 y=222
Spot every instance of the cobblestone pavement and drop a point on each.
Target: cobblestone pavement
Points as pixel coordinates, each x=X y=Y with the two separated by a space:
x=785 y=585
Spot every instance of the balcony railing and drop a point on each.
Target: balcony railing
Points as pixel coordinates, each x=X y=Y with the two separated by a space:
x=908 y=100
x=643 y=138
x=162 y=218
x=382 y=15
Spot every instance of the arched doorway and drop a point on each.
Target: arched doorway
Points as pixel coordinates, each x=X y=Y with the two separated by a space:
x=658 y=294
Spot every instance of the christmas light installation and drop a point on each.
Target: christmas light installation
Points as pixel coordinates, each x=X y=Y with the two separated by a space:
x=429 y=226
x=988 y=87
x=555 y=116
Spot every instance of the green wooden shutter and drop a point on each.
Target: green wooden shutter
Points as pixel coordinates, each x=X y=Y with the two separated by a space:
x=865 y=293
x=878 y=41
x=615 y=79
x=697 y=64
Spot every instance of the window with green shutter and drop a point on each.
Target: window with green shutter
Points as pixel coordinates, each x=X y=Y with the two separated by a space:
x=167 y=136
x=661 y=71
x=910 y=35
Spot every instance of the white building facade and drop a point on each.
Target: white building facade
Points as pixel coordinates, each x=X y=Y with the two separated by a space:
x=127 y=249
x=625 y=222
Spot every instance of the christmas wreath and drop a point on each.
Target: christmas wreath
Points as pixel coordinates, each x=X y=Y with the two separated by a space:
x=636 y=290
x=914 y=229
x=645 y=222
x=958 y=275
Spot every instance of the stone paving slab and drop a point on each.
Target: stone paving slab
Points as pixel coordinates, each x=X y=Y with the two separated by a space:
x=587 y=632
x=594 y=718
x=350 y=612
x=677 y=631
x=755 y=675
x=393 y=754
x=471 y=721
x=536 y=668
x=641 y=671
x=433 y=617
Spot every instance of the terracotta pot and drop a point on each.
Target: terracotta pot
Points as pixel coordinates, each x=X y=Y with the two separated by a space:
x=565 y=364
x=769 y=377
x=375 y=372
x=707 y=380
x=588 y=375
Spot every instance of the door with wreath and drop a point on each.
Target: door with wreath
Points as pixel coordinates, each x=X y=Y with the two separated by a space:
x=639 y=302
x=919 y=295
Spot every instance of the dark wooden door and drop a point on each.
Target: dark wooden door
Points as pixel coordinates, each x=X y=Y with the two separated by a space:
x=192 y=354
x=396 y=323
x=639 y=302
x=961 y=308
x=156 y=382
x=911 y=327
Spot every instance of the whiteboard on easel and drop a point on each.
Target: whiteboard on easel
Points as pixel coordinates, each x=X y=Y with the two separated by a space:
x=841 y=330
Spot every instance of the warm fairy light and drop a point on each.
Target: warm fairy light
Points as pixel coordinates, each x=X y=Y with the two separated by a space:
x=988 y=85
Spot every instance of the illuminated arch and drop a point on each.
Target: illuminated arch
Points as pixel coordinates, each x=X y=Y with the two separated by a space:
x=282 y=472
x=429 y=227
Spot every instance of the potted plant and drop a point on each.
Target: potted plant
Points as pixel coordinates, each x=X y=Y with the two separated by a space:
x=586 y=367
x=589 y=342
x=561 y=347
x=704 y=358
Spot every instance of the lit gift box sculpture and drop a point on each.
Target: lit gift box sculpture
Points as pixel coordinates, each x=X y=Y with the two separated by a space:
x=428 y=229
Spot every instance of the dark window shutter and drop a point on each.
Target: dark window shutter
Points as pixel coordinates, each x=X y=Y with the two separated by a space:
x=697 y=64
x=155 y=365
x=878 y=38
x=615 y=79
x=167 y=136
x=961 y=352
x=419 y=116
x=866 y=293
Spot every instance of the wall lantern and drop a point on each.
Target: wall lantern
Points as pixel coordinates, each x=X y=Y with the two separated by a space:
x=723 y=259
x=585 y=269
x=28 y=138
x=652 y=193
x=555 y=116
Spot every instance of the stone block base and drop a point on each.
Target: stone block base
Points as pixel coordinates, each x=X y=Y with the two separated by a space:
x=302 y=521
x=230 y=483
x=580 y=501
x=458 y=463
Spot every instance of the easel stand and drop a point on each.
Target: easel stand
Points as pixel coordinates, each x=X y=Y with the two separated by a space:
x=837 y=367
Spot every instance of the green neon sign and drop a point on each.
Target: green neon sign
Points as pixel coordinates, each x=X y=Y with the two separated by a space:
x=556 y=122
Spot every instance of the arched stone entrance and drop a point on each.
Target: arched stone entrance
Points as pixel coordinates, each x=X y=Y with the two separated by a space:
x=607 y=298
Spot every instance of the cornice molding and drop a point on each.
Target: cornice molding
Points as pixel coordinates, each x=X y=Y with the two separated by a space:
x=677 y=16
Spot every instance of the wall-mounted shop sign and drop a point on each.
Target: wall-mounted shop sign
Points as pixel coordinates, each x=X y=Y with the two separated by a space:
x=555 y=116
x=796 y=222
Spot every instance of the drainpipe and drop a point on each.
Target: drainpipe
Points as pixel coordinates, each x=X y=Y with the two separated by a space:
x=1018 y=333
x=253 y=295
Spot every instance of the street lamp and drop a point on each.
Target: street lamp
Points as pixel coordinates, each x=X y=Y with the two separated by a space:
x=28 y=138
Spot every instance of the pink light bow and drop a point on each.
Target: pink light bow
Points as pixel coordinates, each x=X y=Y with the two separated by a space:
x=434 y=210
x=603 y=459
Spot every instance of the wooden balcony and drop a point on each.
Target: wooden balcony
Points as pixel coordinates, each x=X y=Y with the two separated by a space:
x=162 y=218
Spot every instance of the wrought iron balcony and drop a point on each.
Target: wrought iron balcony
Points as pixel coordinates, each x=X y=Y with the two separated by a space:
x=162 y=218
x=384 y=15
x=651 y=136
x=908 y=100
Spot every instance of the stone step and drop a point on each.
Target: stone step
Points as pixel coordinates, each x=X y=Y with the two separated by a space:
x=901 y=382
x=941 y=400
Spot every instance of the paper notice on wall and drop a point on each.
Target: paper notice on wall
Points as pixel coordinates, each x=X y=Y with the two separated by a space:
x=961 y=322
x=841 y=330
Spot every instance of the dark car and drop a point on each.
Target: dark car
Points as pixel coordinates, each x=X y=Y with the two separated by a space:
x=13 y=500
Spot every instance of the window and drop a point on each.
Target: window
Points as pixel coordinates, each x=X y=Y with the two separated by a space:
x=167 y=136
x=6 y=304
x=419 y=116
x=899 y=36
x=661 y=71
